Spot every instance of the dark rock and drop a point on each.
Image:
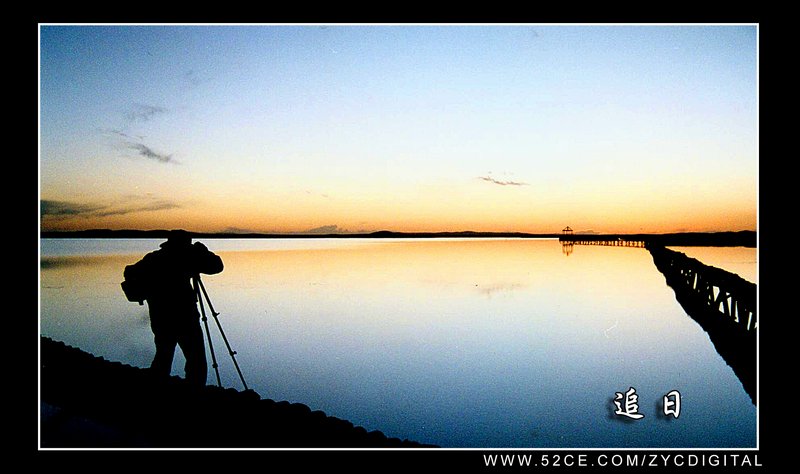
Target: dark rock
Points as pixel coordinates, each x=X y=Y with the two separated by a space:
x=90 y=402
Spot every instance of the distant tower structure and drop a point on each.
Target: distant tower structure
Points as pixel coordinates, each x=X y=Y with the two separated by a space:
x=566 y=240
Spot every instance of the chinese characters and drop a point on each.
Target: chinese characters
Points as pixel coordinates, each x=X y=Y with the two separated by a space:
x=628 y=404
x=672 y=403
x=631 y=409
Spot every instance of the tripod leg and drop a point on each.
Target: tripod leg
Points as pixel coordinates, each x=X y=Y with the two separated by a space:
x=232 y=353
x=208 y=333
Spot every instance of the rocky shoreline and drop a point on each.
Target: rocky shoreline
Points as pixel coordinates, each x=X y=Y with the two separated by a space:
x=89 y=402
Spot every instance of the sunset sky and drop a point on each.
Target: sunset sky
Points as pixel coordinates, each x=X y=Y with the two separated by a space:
x=358 y=128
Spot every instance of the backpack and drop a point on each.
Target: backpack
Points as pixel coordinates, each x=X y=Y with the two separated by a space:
x=135 y=284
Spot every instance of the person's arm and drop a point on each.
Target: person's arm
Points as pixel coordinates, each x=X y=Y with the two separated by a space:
x=205 y=260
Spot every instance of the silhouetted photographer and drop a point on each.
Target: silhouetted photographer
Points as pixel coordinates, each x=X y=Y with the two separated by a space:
x=163 y=278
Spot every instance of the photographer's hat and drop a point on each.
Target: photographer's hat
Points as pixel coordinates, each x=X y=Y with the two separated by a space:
x=177 y=238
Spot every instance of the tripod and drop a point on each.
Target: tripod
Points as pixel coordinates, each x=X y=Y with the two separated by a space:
x=200 y=288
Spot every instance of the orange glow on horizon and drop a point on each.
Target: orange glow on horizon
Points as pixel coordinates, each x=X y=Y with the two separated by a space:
x=535 y=225
x=452 y=208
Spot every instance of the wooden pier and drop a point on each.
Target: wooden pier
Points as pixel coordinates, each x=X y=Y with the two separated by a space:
x=726 y=293
x=722 y=303
x=608 y=241
x=684 y=239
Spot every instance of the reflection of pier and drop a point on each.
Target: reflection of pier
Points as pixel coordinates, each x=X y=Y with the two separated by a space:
x=722 y=303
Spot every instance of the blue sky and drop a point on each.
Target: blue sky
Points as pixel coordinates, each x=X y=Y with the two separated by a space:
x=407 y=127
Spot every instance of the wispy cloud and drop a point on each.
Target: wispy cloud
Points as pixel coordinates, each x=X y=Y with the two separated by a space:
x=65 y=209
x=118 y=133
x=489 y=179
x=144 y=112
x=156 y=206
x=148 y=152
x=139 y=113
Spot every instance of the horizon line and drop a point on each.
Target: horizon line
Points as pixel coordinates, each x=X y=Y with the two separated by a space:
x=373 y=233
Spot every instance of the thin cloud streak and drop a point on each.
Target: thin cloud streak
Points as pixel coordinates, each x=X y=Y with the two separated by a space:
x=149 y=153
x=159 y=206
x=489 y=179
x=140 y=113
x=65 y=209
x=122 y=134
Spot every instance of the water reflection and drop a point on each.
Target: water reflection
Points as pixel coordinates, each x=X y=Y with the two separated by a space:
x=473 y=343
x=731 y=333
x=739 y=260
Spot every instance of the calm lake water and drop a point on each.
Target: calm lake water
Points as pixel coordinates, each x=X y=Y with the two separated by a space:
x=459 y=343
